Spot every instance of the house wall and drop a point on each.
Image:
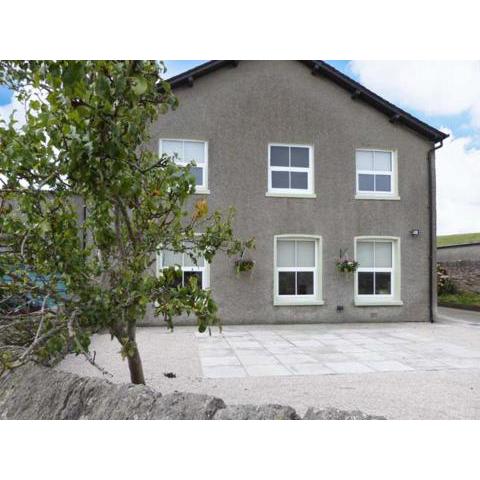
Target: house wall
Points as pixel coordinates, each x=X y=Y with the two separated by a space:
x=239 y=111
x=462 y=263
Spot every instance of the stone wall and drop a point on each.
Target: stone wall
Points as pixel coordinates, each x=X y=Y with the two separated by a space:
x=40 y=393
x=462 y=263
x=465 y=274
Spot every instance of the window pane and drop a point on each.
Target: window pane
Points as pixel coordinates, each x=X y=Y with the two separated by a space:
x=280 y=179
x=383 y=283
x=299 y=180
x=188 y=275
x=305 y=254
x=188 y=261
x=366 y=183
x=382 y=183
x=195 y=152
x=171 y=258
x=197 y=172
x=365 y=283
x=279 y=156
x=286 y=283
x=364 y=160
x=304 y=283
x=170 y=147
x=383 y=161
x=285 y=253
x=299 y=157
x=383 y=254
x=365 y=254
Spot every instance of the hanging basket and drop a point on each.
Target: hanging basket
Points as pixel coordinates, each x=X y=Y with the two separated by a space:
x=346 y=266
x=244 y=265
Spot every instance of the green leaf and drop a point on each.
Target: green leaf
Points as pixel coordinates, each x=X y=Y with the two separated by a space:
x=139 y=86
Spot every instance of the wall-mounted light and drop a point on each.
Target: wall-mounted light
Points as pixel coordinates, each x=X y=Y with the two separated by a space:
x=415 y=232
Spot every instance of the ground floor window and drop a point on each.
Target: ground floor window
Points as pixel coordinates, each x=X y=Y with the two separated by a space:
x=297 y=269
x=189 y=268
x=378 y=274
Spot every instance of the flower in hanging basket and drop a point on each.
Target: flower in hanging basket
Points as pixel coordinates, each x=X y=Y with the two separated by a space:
x=244 y=265
x=346 y=265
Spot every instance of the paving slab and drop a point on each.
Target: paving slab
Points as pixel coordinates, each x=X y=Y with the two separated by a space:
x=348 y=367
x=221 y=371
x=267 y=370
x=388 y=366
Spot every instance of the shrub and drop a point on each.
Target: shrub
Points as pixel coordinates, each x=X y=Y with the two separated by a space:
x=445 y=284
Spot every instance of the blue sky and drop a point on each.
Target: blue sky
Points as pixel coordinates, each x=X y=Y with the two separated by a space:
x=5 y=96
x=444 y=94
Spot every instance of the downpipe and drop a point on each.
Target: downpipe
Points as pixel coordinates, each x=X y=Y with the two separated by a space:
x=432 y=240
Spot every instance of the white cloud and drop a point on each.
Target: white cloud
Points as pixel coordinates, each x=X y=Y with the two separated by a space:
x=458 y=187
x=435 y=88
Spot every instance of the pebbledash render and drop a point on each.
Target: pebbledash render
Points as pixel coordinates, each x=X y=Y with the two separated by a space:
x=315 y=165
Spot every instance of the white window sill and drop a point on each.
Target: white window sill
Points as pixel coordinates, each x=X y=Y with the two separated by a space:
x=202 y=191
x=370 y=196
x=296 y=303
x=291 y=195
x=377 y=303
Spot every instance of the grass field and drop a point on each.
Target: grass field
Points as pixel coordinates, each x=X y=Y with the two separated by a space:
x=443 y=240
x=463 y=298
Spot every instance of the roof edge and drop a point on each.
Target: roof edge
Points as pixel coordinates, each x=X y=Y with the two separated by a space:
x=321 y=68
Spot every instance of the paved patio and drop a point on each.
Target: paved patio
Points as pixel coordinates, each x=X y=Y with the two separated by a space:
x=317 y=350
x=402 y=370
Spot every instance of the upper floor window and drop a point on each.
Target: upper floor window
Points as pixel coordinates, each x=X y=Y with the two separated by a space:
x=187 y=151
x=376 y=174
x=189 y=268
x=290 y=170
x=378 y=273
x=297 y=270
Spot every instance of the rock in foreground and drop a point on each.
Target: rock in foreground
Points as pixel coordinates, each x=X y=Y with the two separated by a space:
x=40 y=393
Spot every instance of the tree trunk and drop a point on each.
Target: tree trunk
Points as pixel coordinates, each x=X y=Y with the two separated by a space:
x=136 y=368
x=135 y=361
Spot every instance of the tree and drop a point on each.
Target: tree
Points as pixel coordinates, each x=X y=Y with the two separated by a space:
x=84 y=144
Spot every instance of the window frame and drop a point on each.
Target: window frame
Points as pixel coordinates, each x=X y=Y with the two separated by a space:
x=199 y=189
x=205 y=270
x=292 y=192
x=293 y=300
x=395 y=279
x=372 y=194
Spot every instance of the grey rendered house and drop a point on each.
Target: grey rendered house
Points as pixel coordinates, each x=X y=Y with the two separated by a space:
x=314 y=164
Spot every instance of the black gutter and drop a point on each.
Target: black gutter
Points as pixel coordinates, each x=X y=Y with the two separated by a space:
x=432 y=222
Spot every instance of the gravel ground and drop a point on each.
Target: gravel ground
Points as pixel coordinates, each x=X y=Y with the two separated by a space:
x=430 y=394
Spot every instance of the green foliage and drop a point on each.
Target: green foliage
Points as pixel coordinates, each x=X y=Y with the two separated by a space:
x=461 y=298
x=172 y=299
x=244 y=265
x=344 y=265
x=85 y=143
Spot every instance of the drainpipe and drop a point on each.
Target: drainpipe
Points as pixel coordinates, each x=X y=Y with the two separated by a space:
x=432 y=222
